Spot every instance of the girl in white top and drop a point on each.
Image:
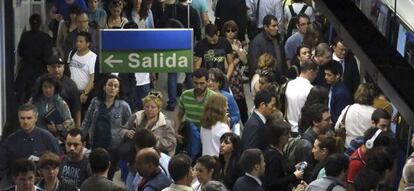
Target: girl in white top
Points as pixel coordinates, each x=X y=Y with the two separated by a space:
x=115 y=18
x=358 y=117
x=214 y=124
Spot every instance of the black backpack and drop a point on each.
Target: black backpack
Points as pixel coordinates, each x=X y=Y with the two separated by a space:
x=294 y=19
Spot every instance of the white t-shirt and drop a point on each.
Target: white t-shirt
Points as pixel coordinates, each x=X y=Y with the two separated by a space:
x=357 y=121
x=142 y=79
x=210 y=138
x=196 y=185
x=297 y=91
x=81 y=67
x=297 y=7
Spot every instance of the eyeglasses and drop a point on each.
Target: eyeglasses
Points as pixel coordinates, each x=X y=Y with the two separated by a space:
x=231 y=30
x=155 y=94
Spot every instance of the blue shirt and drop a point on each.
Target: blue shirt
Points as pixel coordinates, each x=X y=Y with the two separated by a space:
x=22 y=145
x=292 y=43
x=98 y=17
x=233 y=109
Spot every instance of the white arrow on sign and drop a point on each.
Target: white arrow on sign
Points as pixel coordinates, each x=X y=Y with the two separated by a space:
x=110 y=62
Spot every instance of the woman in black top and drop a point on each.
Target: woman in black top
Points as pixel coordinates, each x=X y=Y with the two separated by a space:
x=230 y=148
x=279 y=174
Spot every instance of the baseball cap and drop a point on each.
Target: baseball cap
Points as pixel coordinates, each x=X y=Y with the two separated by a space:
x=54 y=59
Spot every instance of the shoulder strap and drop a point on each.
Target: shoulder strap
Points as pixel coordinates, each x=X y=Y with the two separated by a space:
x=333 y=184
x=302 y=11
x=71 y=54
x=344 y=117
x=292 y=12
x=163 y=170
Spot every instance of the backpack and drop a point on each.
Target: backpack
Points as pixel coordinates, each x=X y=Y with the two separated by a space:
x=281 y=97
x=294 y=19
x=290 y=147
x=334 y=183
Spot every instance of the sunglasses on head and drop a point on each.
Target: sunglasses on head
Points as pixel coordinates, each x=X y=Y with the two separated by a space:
x=155 y=94
x=117 y=3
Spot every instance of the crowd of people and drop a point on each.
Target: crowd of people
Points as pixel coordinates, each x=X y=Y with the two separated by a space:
x=315 y=123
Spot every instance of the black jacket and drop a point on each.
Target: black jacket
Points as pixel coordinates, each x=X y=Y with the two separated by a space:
x=253 y=133
x=279 y=172
x=247 y=183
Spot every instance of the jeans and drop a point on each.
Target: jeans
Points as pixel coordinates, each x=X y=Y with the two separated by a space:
x=193 y=146
x=141 y=92
x=172 y=89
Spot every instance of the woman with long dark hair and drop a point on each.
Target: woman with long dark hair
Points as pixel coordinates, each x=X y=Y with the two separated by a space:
x=230 y=150
x=106 y=119
x=53 y=112
x=141 y=13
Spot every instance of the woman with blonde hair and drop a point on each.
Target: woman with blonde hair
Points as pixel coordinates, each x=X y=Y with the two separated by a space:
x=153 y=119
x=265 y=65
x=214 y=122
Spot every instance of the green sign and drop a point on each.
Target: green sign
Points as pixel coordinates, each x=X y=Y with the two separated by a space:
x=155 y=50
x=160 y=61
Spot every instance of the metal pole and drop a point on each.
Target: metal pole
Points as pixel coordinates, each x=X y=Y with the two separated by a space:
x=188 y=13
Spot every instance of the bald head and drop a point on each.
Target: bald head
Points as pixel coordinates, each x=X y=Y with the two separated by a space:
x=148 y=155
x=147 y=162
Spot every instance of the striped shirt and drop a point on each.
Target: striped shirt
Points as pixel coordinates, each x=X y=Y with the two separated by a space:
x=192 y=108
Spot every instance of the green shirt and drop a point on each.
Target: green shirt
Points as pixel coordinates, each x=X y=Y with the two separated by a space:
x=192 y=108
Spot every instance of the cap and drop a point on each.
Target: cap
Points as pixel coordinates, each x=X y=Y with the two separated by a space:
x=55 y=60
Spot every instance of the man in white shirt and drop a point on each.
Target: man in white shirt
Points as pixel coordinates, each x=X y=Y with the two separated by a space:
x=297 y=91
x=82 y=65
x=297 y=5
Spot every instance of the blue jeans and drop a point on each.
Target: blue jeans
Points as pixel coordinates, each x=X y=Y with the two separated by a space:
x=141 y=92
x=193 y=146
x=172 y=89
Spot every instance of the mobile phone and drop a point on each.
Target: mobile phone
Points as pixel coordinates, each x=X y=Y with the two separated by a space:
x=302 y=165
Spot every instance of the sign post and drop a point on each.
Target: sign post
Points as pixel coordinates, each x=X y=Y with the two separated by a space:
x=146 y=50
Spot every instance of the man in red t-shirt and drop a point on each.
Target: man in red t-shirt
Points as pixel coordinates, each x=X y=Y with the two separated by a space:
x=358 y=158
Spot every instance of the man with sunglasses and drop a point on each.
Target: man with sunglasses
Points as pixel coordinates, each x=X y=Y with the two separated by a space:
x=29 y=142
x=214 y=52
